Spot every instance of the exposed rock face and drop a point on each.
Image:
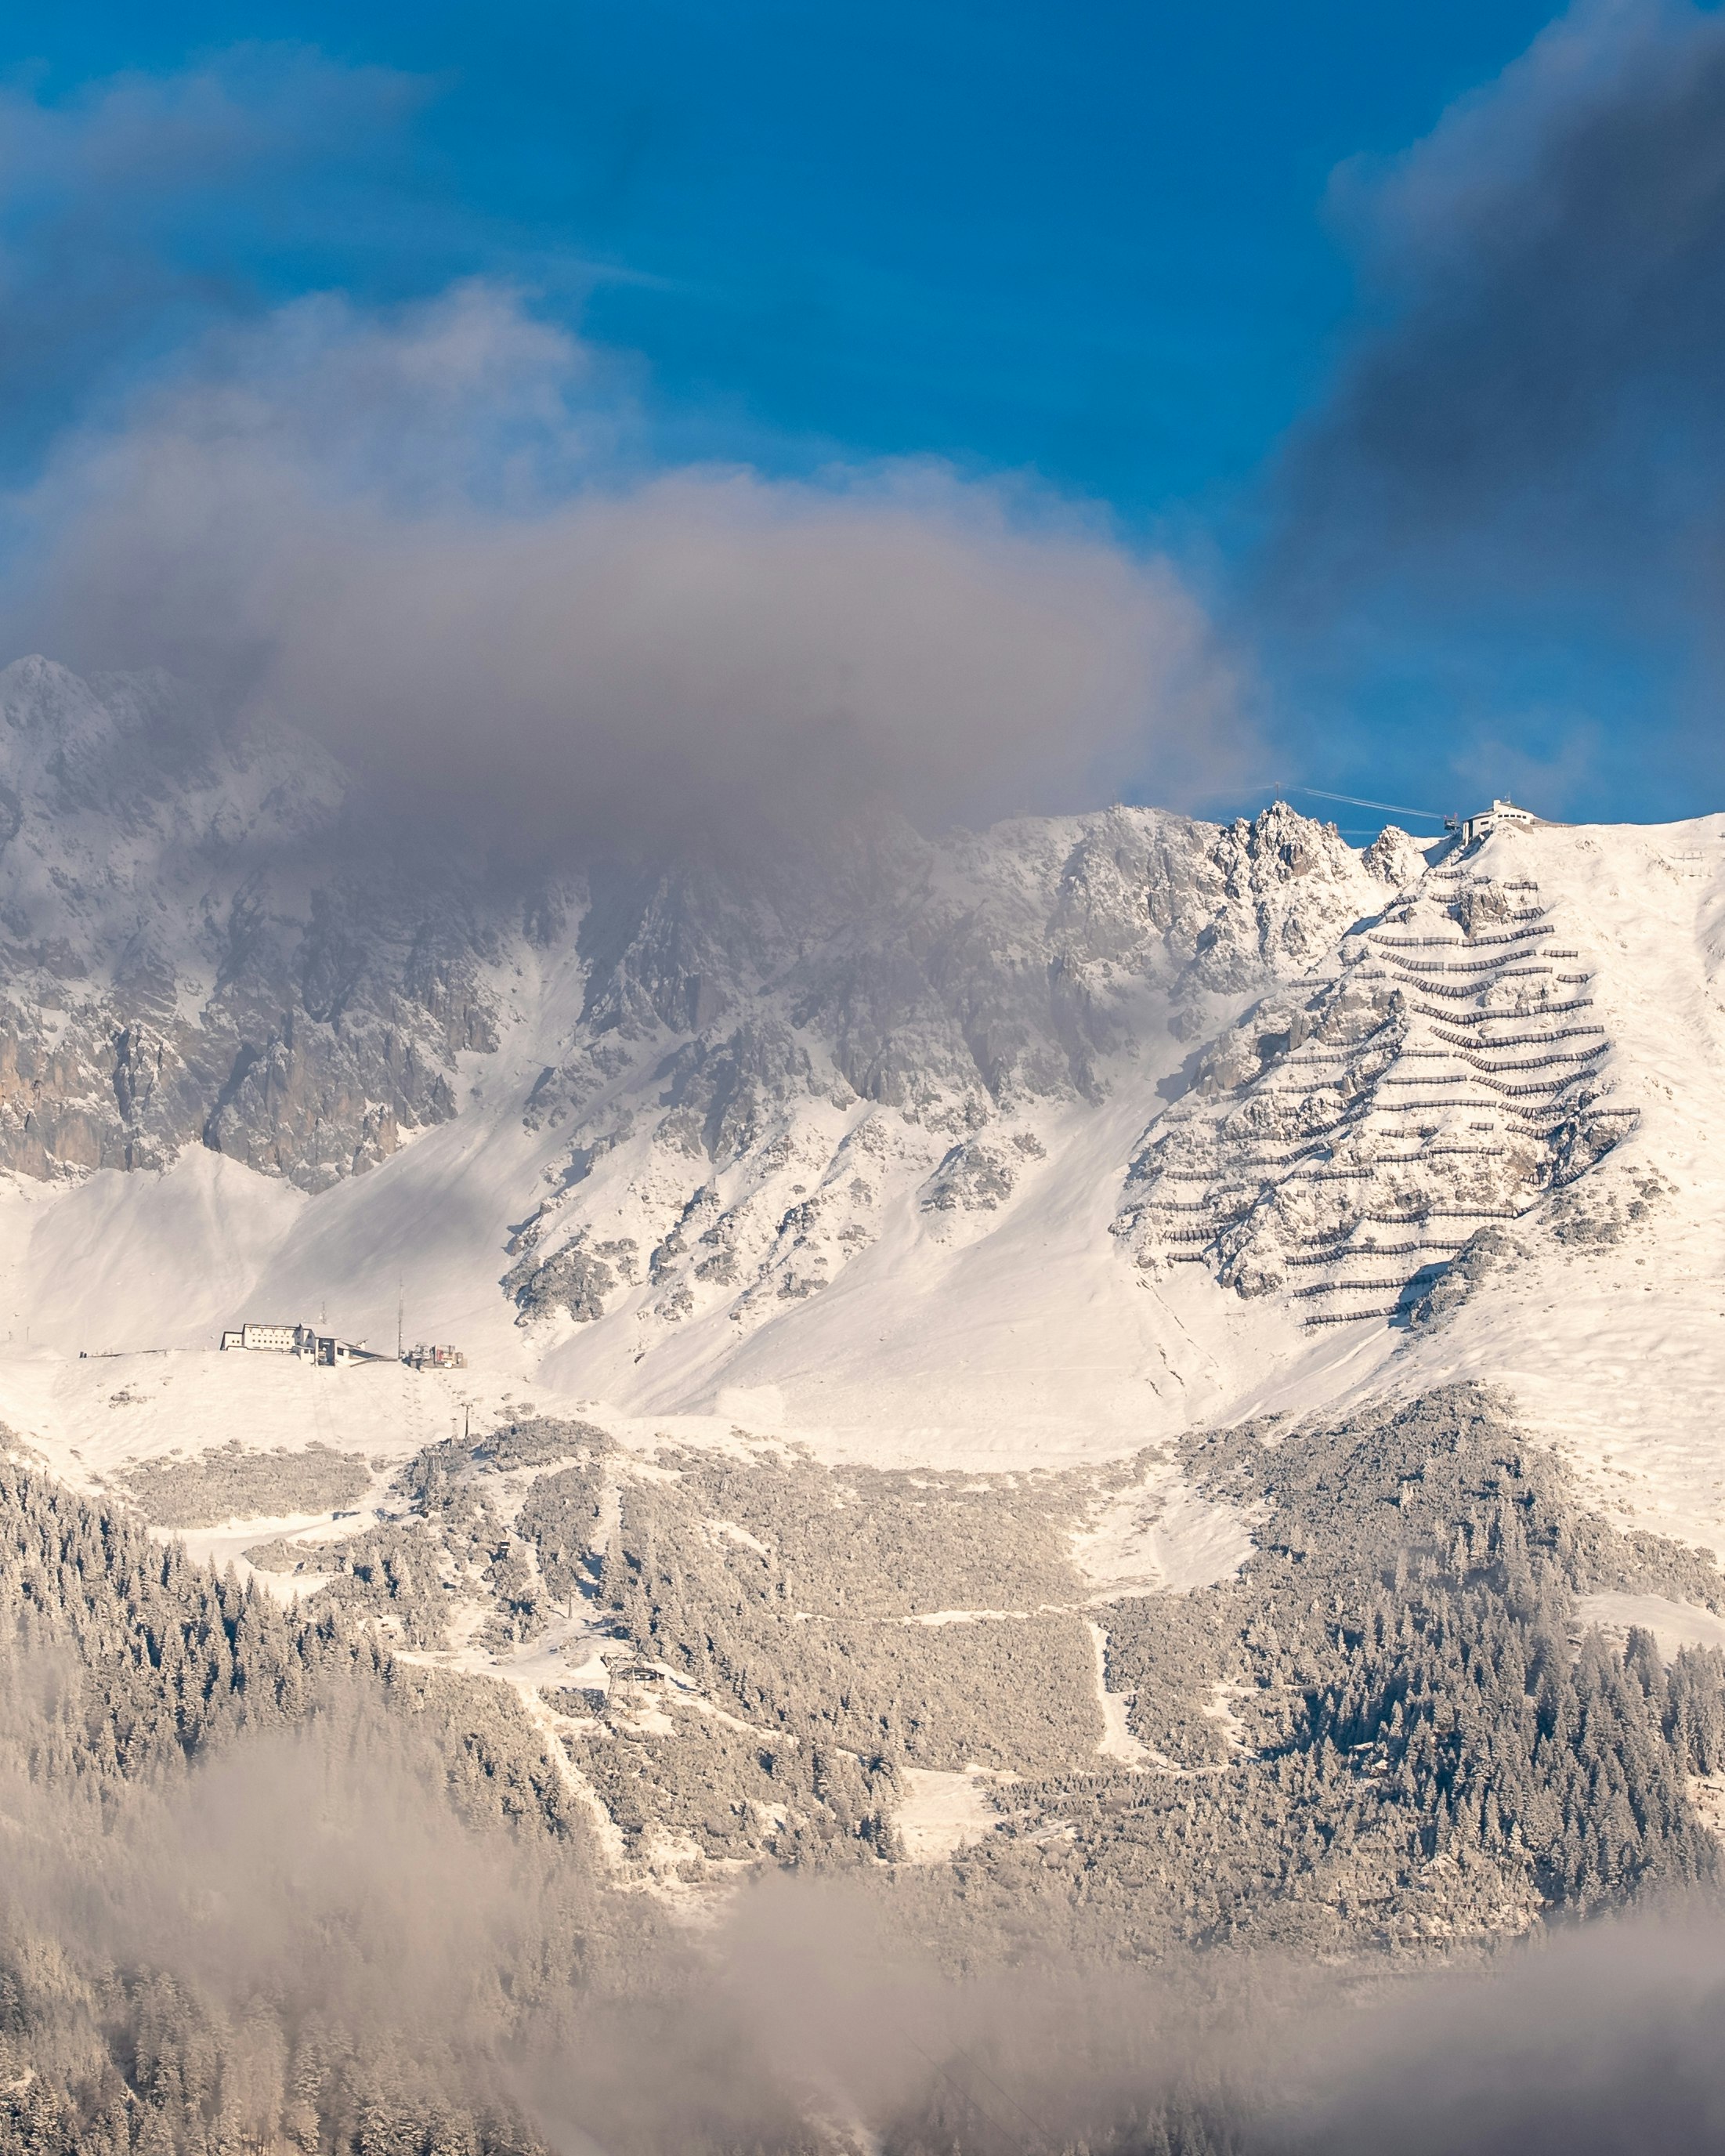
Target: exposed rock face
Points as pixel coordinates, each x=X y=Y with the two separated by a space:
x=992 y=965
x=1344 y=1143
x=769 y=1062
x=977 y=1176
x=576 y=1279
x=189 y=955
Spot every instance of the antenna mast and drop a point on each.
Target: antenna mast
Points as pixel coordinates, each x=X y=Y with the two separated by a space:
x=401 y=1297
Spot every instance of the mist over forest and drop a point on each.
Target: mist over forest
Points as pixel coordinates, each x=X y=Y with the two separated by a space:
x=270 y=1886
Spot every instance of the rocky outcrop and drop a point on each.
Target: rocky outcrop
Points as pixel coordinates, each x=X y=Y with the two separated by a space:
x=770 y=1059
x=189 y=954
x=1354 y=1144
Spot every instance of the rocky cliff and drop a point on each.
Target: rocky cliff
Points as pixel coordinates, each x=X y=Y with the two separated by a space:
x=192 y=951
x=765 y=1066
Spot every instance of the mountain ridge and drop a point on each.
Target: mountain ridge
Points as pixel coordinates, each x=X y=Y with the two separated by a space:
x=892 y=1145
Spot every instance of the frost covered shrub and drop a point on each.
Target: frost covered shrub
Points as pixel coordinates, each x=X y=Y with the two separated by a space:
x=230 y=1483
x=874 y=1542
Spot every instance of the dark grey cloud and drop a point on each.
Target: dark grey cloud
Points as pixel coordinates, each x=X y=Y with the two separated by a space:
x=437 y=533
x=432 y=537
x=1536 y=408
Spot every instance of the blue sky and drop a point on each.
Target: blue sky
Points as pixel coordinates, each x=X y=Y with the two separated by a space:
x=1112 y=255
x=1088 y=240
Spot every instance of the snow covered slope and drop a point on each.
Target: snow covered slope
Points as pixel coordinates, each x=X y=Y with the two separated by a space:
x=1600 y=1309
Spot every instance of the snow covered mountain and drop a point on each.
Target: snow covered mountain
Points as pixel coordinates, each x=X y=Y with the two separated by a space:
x=949 y=1322
x=673 y=1108
x=1344 y=1145
x=1030 y=1144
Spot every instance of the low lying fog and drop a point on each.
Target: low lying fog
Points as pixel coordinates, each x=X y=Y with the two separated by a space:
x=324 y=1875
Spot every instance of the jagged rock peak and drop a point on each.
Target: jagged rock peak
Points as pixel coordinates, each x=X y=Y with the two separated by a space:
x=768 y=1061
x=195 y=948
